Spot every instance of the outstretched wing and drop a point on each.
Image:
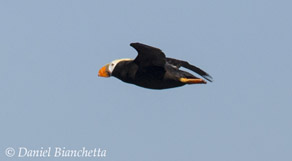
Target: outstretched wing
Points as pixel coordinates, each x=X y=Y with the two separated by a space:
x=148 y=56
x=181 y=63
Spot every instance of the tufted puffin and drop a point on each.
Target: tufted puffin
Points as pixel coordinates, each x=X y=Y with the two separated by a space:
x=151 y=69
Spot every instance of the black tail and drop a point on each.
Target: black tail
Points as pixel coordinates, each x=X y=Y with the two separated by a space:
x=181 y=63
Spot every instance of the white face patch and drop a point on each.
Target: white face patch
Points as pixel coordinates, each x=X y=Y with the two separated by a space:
x=113 y=64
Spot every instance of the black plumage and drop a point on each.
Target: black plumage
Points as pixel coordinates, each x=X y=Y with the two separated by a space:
x=152 y=69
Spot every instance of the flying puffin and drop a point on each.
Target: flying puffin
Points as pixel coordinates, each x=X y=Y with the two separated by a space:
x=151 y=69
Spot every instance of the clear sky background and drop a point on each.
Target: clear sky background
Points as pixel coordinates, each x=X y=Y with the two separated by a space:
x=51 y=96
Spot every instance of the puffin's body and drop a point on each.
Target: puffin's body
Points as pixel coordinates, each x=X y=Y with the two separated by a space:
x=151 y=69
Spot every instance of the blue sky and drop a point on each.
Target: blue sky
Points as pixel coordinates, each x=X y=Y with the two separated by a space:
x=51 y=96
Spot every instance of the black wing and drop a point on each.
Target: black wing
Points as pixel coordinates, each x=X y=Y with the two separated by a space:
x=148 y=56
x=179 y=63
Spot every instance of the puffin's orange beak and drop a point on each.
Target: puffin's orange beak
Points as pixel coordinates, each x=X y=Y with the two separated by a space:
x=103 y=71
